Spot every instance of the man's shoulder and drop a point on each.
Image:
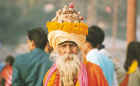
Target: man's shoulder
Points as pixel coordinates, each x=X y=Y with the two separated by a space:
x=39 y=53
x=93 y=54
x=43 y=56
x=21 y=57
x=93 y=69
x=33 y=54
x=40 y=56
x=45 y=59
x=95 y=73
x=92 y=65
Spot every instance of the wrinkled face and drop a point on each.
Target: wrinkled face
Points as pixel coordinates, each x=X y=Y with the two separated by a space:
x=67 y=48
x=67 y=60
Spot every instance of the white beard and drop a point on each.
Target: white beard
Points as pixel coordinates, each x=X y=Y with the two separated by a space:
x=68 y=69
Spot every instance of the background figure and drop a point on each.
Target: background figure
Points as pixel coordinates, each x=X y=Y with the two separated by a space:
x=6 y=73
x=132 y=65
x=1 y=67
x=96 y=54
x=30 y=68
x=99 y=37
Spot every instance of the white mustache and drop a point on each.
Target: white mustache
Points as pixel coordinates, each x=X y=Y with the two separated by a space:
x=55 y=56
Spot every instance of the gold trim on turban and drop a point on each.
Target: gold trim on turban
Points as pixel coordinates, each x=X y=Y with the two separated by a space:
x=58 y=36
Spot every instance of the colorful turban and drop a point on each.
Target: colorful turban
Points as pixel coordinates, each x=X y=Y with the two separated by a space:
x=67 y=26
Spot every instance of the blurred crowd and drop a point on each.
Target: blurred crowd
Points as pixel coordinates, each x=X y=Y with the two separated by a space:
x=30 y=69
x=70 y=54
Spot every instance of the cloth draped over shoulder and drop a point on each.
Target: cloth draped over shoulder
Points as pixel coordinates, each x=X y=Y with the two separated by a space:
x=104 y=62
x=90 y=75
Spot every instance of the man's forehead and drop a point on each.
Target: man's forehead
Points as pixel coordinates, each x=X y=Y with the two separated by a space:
x=68 y=43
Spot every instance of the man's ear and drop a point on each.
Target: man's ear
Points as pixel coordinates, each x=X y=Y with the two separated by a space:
x=47 y=48
x=33 y=44
x=89 y=45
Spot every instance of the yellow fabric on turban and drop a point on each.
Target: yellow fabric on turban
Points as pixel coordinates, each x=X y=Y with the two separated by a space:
x=58 y=36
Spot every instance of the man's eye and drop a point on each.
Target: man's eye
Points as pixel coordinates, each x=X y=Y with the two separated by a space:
x=63 y=45
x=72 y=45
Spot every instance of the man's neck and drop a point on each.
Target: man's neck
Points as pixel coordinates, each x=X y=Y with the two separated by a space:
x=93 y=48
x=32 y=48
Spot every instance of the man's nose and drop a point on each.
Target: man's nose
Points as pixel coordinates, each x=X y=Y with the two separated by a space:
x=68 y=50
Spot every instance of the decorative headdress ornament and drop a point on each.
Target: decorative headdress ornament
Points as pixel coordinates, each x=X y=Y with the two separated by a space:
x=68 y=25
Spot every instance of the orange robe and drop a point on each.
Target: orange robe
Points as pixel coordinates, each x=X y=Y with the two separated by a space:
x=95 y=77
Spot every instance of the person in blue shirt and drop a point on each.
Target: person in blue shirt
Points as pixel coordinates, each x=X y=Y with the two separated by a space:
x=30 y=68
x=94 y=40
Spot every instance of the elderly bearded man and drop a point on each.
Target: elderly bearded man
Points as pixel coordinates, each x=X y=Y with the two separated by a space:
x=67 y=36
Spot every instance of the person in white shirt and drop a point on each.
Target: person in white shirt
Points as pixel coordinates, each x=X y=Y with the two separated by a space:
x=95 y=39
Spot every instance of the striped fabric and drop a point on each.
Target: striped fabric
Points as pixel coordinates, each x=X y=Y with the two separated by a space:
x=82 y=76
